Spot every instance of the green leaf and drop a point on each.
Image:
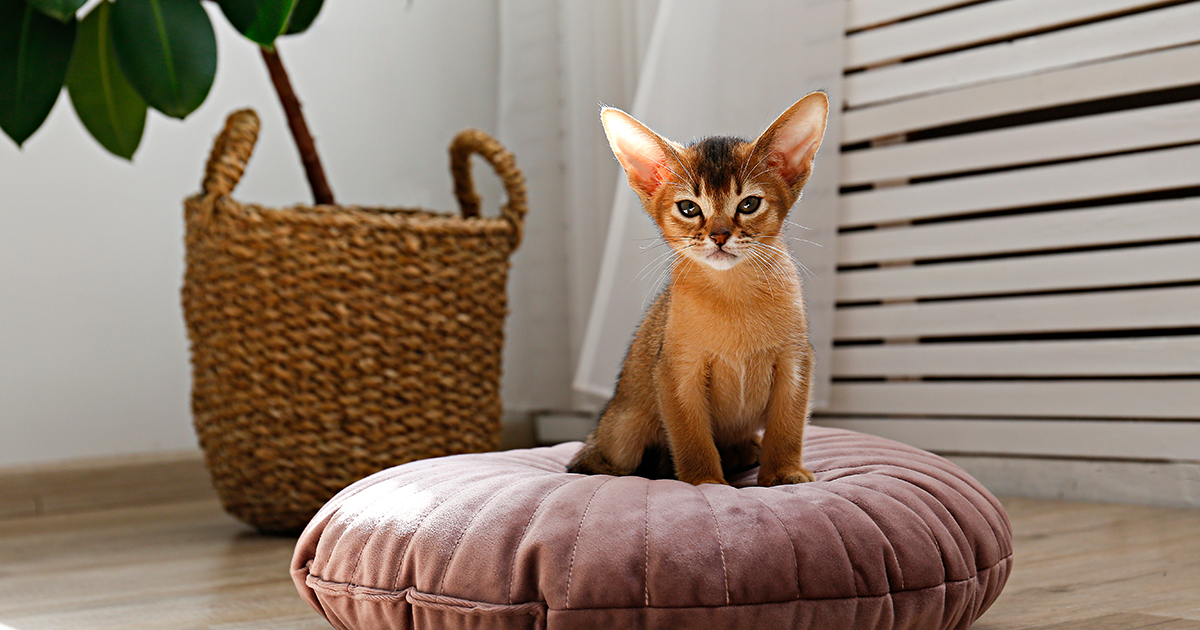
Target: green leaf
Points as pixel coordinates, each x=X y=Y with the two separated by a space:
x=107 y=105
x=34 y=52
x=167 y=51
x=61 y=10
x=303 y=15
x=259 y=20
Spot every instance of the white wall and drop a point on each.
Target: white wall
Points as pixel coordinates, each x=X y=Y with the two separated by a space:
x=93 y=356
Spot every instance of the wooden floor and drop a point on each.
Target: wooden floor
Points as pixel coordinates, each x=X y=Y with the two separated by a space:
x=188 y=565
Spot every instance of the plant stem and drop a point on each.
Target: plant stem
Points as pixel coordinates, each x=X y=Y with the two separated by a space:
x=304 y=140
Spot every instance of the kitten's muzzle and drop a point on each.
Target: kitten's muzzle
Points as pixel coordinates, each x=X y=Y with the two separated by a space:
x=720 y=237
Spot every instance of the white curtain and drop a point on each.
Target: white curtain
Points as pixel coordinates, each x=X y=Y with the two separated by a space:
x=720 y=67
x=687 y=69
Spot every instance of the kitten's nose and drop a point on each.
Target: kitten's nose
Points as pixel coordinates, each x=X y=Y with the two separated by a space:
x=719 y=236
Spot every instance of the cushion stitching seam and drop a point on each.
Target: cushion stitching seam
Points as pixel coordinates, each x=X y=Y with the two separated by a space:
x=524 y=532
x=575 y=546
x=720 y=545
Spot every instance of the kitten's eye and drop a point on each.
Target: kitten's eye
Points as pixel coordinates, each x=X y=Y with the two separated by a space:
x=749 y=205
x=688 y=208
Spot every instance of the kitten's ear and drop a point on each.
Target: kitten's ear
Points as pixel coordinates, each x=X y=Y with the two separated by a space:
x=792 y=140
x=642 y=153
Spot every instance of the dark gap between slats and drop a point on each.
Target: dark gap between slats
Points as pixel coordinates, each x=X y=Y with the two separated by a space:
x=1062 y=112
x=1066 y=291
x=1018 y=35
x=1048 y=114
x=1070 y=335
x=1057 y=250
x=925 y=262
x=1097 y=377
x=854 y=415
x=1094 y=202
x=917 y=16
x=979 y=297
x=916 y=181
x=986 y=378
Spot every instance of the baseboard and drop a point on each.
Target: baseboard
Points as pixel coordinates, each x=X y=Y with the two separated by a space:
x=556 y=427
x=103 y=483
x=1168 y=484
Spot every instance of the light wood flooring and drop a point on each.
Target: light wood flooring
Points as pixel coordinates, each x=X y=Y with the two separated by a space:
x=187 y=565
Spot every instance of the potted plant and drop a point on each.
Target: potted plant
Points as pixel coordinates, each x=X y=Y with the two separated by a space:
x=127 y=56
x=327 y=341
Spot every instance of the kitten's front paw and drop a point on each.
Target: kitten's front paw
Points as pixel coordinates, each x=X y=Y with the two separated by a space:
x=591 y=461
x=784 y=477
x=716 y=480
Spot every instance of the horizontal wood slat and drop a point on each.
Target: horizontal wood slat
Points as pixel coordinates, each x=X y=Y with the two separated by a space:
x=864 y=13
x=1163 y=399
x=1074 y=181
x=1111 y=225
x=1110 y=310
x=1144 y=356
x=1129 y=75
x=1117 y=439
x=1152 y=30
x=972 y=25
x=1113 y=268
x=1177 y=123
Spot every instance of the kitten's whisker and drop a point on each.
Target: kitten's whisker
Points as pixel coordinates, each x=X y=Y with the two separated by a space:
x=691 y=175
x=755 y=172
x=793 y=223
x=793 y=259
x=792 y=238
x=755 y=168
x=756 y=259
x=653 y=263
x=770 y=260
x=672 y=171
x=658 y=241
x=662 y=275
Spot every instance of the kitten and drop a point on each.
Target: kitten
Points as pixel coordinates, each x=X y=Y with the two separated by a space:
x=723 y=352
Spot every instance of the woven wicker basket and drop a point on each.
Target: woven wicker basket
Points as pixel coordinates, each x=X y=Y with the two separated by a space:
x=331 y=342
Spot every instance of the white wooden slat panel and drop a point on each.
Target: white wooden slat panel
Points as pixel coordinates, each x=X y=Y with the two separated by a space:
x=1110 y=310
x=1176 y=123
x=1118 y=439
x=1073 y=181
x=1163 y=399
x=1143 y=356
x=863 y=13
x=1123 y=267
x=1127 y=223
x=1129 y=75
x=988 y=21
x=1152 y=30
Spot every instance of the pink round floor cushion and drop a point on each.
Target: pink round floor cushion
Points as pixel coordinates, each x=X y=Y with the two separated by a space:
x=887 y=537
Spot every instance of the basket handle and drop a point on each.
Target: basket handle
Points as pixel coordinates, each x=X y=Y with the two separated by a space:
x=231 y=150
x=471 y=141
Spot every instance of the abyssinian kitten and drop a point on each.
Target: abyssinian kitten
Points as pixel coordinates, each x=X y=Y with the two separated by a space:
x=720 y=368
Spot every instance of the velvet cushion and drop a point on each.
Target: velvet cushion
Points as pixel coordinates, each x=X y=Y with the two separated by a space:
x=887 y=537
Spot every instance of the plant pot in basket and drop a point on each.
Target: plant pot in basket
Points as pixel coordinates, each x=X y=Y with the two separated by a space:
x=330 y=342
